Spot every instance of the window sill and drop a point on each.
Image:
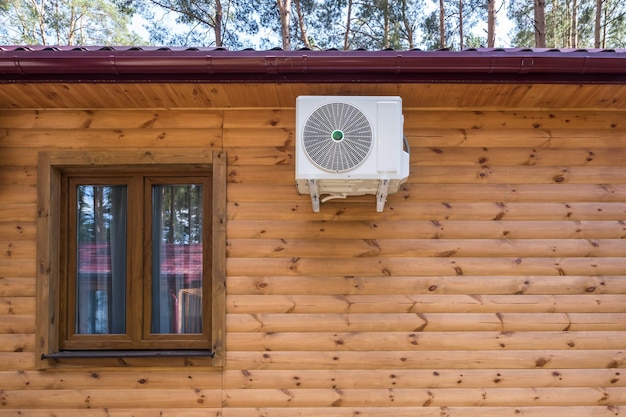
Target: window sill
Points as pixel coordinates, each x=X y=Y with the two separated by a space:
x=103 y=354
x=131 y=358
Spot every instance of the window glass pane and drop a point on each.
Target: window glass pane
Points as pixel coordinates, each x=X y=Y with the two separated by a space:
x=101 y=259
x=177 y=258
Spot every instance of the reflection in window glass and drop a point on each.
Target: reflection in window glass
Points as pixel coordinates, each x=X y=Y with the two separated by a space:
x=177 y=258
x=101 y=261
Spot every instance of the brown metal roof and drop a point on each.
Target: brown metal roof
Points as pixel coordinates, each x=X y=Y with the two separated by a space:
x=19 y=64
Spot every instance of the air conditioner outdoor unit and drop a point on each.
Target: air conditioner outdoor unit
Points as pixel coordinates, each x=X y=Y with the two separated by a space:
x=350 y=145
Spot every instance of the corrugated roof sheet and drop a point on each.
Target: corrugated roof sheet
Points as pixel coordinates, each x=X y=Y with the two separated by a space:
x=58 y=48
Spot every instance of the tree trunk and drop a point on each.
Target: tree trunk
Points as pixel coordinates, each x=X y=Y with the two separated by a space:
x=346 y=38
x=491 y=24
x=461 y=44
x=41 y=25
x=407 y=26
x=57 y=24
x=303 y=35
x=219 y=13
x=442 y=26
x=596 y=28
x=540 y=23
x=284 y=8
x=574 y=25
x=386 y=41
x=98 y=213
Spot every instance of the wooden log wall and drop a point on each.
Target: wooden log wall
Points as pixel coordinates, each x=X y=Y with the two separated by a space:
x=493 y=284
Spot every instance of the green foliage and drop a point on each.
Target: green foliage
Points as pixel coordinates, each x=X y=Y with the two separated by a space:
x=563 y=31
x=613 y=29
x=326 y=24
x=521 y=13
x=317 y=24
x=65 y=22
x=377 y=25
x=200 y=22
x=455 y=18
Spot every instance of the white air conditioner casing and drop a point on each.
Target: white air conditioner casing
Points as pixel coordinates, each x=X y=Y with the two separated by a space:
x=350 y=145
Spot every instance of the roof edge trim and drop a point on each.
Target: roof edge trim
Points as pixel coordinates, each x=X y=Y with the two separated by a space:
x=194 y=65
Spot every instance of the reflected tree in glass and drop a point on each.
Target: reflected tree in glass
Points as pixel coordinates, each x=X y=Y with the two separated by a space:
x=101 y=259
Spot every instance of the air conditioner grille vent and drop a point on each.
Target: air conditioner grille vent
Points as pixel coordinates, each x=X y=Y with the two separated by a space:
x=337 y=137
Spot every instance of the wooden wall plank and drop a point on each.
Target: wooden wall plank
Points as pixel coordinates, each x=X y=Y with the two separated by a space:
x=17 y=305
x=17 y=287
x=585 y=411
x=426 y=303
x=598 y=411
x=101 y=398
x=17 y=268
x=17 y=343
x=513 y=119
x=12 y=323
x=405 y=248
x=514 y=138
x=12 y=230
x=365 y=210
x=148 y=379
x=18 y=175
x=532 y=411
x=111 y=119
x=454 y=174
x=529 y=174
x=259 y=118
x=17 y=361
x=113 y=138
x=538 y=155
x=424 y=378
x=282 y=138
x=139 y=378
x=435 y=397
x=18 y=157
x=19 y=193
x=451 y=193
x=424 y=229
x=426 y=322
x=17 y=249
x=343 y=285
x=425 y=341
x=21 y=212
x=424 y=266
x=514 y=359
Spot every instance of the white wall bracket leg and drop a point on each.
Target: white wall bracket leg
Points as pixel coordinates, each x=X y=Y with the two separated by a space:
x=381 y=195
x=315 y=195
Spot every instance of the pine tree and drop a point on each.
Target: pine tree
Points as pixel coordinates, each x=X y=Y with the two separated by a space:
x=65 y=22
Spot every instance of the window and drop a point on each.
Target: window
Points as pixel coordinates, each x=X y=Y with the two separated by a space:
x=132 y=257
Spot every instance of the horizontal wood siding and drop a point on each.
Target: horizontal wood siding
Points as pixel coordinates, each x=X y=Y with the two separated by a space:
x=493 y=284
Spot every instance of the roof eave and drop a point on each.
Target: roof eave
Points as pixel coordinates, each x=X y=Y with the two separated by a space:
x=133 y=65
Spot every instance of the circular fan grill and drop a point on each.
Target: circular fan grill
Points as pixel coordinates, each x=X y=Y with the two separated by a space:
x=337 y=137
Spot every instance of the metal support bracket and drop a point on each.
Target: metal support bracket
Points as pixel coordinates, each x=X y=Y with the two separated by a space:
x=315 y=195
x=381 y=195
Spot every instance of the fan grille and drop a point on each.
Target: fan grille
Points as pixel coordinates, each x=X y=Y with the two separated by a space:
x=337 y=137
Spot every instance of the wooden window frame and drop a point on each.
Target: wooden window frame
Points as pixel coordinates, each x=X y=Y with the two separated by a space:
x=51 y=166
